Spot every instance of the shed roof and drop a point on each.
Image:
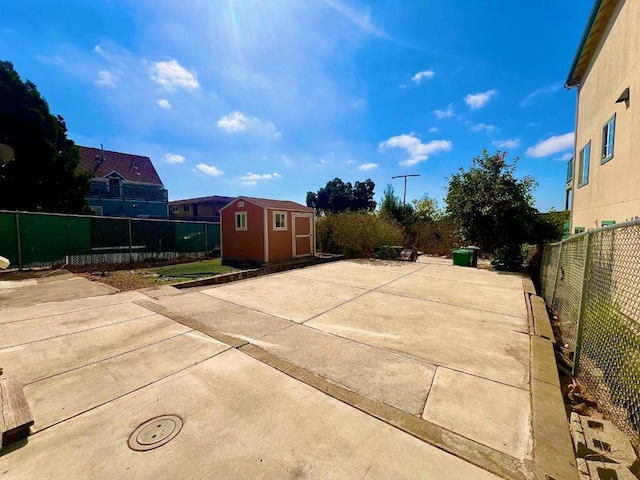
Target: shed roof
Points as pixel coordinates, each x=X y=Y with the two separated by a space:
x=134 y=168
x=597 y=23
x=274 y=204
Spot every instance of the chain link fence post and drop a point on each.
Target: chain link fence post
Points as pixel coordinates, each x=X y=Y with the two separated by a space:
x=583 y=302
x=555 y=280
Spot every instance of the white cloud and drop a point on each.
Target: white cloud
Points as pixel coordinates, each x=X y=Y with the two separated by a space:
x=417 y=78
x=448 y=113
x=528 y=100
x=433 y=129
x=566 y=156
x=483 y=127
x=509 y=143
x=416 y=150
x=367 y=166
x=403 y=86
x=254 y=178
x=551 y=145
x=479 y=100
x=174 y=158
x=209 y=170
x=106 y=79
x=170 y=75
x=164 y=103
x=238 y=122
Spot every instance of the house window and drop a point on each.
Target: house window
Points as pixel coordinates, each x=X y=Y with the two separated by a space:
x=241 y=220
x=570 y=170
x=240 y=204
x=608 y=135
x=579 y=230
x=583 y=171
x=175 y=208
x=568 y=199
x=607 y=223
x=279 y=220
x=186 y=208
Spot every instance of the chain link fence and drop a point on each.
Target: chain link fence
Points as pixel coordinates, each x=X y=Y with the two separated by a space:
x=31 y=239
x=592 y=283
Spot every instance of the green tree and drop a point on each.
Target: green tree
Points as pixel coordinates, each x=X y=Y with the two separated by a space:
x=494 y=209
x=391 y=207
x=426 y=209
x=337 y=196
x=43 y=174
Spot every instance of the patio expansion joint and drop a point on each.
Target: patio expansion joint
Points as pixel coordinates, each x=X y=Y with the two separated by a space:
x=363 y=294
x=137 y=389
x=111 y=357
x=73 y=333
x=451 y=304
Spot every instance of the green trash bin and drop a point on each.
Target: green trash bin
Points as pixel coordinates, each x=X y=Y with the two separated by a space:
x=462 y=257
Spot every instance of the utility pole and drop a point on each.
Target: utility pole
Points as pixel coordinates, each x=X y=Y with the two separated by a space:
x=404 y=198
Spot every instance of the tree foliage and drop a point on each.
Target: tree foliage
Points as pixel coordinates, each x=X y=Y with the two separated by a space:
x=337 y=196
x=493 y=208
x=42 y=175
x=392 y=208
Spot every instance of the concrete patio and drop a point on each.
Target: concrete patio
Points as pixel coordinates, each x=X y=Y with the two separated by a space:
x=352 y=369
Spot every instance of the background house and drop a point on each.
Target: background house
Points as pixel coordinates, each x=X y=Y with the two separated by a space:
x=205 y=209
x=124 y=185
x=603 y=176
x=262 y=231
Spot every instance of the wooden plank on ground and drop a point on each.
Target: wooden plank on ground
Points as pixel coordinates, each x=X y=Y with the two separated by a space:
x=16 y=415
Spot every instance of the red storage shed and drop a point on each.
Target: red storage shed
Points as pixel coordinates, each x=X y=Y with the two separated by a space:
x=262 y=230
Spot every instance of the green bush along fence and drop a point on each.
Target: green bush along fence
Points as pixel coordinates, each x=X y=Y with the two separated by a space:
x=592 y=283
x=31 y=239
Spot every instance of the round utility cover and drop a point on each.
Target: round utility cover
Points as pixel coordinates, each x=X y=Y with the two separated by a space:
x=155 y=433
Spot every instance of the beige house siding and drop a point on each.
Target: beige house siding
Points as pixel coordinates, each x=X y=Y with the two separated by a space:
x=613 y=189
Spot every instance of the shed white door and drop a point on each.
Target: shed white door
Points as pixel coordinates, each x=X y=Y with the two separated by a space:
x=302 y=234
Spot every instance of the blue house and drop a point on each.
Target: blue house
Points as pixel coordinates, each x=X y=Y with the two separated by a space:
x=124 y=185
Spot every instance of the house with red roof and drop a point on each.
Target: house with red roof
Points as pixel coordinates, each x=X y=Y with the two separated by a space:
x=123 y=184
x=200 y=209
x=259 y=230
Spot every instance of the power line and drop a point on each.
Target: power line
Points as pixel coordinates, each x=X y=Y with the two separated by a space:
x=404 y=198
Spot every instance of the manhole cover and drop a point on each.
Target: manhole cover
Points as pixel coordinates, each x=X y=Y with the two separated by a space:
x=155 y=433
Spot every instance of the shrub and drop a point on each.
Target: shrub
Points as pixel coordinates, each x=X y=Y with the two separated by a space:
x=356 y=234
x=434 y=237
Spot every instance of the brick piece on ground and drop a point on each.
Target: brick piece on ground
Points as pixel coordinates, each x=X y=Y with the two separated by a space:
x=606 y=471
x=600 y=437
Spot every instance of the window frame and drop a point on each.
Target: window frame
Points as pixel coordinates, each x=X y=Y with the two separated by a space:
x=581 y=169
x=607 y=156
x=186 y=208
x=570 y=170
x=284 y=216
x=578 y=230
x=246 y=221
x=175 y=208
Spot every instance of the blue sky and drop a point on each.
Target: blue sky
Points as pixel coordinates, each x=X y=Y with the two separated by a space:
x=272 y=98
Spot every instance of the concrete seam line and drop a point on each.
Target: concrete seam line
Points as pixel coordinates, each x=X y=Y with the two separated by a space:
x=109 y=358
x=466 y=449
x=433 y=379
x=451 y=304
x=230 y=340
x=133 y=391
x=61 y=313
x=363 y=294
x=77 y=331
